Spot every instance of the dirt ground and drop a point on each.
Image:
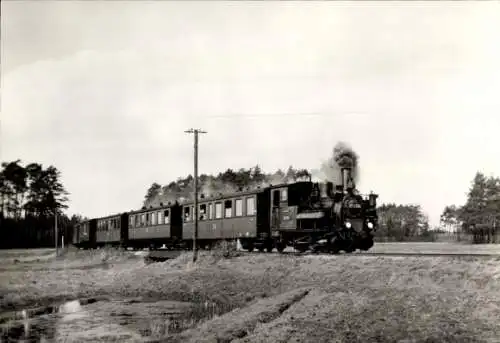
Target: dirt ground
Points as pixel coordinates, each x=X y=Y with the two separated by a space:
x=281 y=298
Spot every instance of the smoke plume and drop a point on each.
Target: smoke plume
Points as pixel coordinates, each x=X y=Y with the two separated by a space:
x=343 y=156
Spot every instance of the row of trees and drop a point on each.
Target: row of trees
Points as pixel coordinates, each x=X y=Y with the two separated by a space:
x=479 y=217
x=30 y=197
x=227 y=182
x=403 y=223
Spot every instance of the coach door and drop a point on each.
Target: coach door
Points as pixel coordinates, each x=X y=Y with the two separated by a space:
x=275 y=209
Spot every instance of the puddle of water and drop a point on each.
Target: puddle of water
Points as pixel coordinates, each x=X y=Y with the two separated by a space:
x=105 y=320
x=39 y=324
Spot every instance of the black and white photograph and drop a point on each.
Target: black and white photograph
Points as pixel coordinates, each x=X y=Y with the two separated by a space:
x=250 y=171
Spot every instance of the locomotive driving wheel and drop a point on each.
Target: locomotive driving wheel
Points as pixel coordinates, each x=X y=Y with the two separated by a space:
x=334 y=245
x=280 y=246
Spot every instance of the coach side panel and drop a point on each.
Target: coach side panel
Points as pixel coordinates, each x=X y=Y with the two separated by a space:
x=153 y=224
x=108 y=230
x=222 y=218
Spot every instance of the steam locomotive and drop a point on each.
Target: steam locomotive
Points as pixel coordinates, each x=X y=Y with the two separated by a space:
x=305 y=215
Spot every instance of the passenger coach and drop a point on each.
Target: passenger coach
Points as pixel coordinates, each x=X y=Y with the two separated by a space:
x=112 y=230
x=224 y=218
x=155 y=227
x=85 y=234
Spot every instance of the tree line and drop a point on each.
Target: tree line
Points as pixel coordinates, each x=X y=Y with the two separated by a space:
x=479 y=217
x=229 y=181
x=30 y=197
x=32 y=194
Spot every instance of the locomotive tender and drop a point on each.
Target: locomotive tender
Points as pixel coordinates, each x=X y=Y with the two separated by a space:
x=304 y=215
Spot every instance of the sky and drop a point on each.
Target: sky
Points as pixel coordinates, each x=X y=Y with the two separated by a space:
x=104 y=91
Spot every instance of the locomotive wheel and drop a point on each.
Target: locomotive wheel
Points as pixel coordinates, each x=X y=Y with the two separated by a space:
x=334 y=245
x=269 y=248
x=280 y=246
x=366 y=244
x=261 y=249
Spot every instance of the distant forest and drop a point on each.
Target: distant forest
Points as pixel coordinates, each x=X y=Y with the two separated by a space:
x=31 y=195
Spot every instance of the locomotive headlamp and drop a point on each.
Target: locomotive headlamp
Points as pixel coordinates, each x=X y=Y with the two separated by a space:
x=370 y=225
x=348 y=225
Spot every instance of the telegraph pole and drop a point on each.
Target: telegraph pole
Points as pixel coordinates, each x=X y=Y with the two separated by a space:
x=56 y=232
x=195 y=233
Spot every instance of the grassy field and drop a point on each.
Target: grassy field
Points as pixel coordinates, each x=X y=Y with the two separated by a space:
x=280 y=298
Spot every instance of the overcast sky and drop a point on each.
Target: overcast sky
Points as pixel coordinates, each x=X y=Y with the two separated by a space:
x=104 y=90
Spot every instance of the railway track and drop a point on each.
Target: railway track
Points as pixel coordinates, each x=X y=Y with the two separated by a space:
x=396 y=254
x=163 y=255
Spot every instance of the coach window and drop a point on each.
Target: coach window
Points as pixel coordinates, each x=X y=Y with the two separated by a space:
x=284 y=194
x=238 y=204
x=160 y=217
x=250 y=206
x=143 y=219
x=203 y=212
x=187 y=213
x=211 y=211
x=218 y=210
x=154 y=217
x=167 y=216
x=228 y=209
x=131 y=220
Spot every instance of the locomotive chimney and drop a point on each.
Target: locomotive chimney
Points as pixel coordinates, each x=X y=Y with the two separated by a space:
x=346 y=178
x=372 y=199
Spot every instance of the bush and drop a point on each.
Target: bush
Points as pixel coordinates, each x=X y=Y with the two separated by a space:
x=224 y=250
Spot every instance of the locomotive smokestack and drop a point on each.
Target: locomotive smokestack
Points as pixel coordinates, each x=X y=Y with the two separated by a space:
x=347 y=181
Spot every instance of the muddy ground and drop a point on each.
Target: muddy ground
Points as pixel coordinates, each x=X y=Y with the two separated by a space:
x=257 y=298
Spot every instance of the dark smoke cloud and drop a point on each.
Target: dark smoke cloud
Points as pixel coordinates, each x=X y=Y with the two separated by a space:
x=343 y=156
